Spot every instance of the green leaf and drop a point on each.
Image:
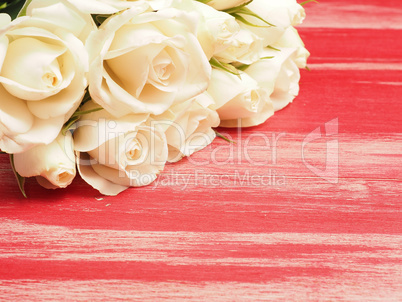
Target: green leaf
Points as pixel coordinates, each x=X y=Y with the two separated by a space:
x=23 y=11
x=241 y=10
x=86 y=98
x=273 y=48
x=204 y=1
x=81 y=113
x=224 y=66
x=224 y=137
x=243 y=67
x=78 y=113
x=20 y=179
x=12 y=7
x=100 y=18
x=308 y=1
x=241 y=19
x=75 y=117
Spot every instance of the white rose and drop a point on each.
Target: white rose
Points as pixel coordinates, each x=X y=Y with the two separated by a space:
x=117 y=153
x=144 y=61
x=53 y=164
x=296 y=12
x=62 y=14
x=226 y=4
x=190 y=6
x=279 y=75
x=188 y=126
x=291 y=39
x=221 y=26
x=281 y=14
x=239 y=100
x=245 y=47
x=43 y=80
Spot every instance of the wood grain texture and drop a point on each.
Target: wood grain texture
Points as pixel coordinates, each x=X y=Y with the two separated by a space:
x=244 y=222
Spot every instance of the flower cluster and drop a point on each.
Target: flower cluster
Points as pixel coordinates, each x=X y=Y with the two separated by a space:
x=116 y=89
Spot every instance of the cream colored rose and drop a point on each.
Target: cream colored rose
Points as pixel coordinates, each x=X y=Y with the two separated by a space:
x=291 y=39
x=226 y=4
x=245 y=48
x=221 y=27
x=43 y=80
x=143 y=61
x=281 y=14
x=188 y=126
x=117 y=153
x=62 y=14
x=53 y=164
x=240 y=101
x=279 y=75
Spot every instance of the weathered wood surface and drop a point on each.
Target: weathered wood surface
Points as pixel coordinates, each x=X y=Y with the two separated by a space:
x=251 y=224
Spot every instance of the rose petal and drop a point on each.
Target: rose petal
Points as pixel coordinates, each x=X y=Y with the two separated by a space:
x=98 y=182
x=224 y=87
x=42 y=132
x=65 y=101
x=58 y=14
x=14 y=113
x=3 y=49
x=5 y=20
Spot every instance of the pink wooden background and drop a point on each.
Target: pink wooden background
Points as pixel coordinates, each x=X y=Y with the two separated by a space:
x=213 y=232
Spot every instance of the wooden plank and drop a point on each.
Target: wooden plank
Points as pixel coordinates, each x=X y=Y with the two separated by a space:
x=248 y=221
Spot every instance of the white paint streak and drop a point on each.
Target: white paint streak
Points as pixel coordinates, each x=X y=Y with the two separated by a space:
x=355 y=66
x=298 y=289
x=176 y=248
x=348 y=15
x=380 y=83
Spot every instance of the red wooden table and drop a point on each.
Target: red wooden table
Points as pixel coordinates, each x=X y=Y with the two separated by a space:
x=259 y=220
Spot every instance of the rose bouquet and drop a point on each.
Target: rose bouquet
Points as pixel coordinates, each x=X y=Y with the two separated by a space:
x=116 y=89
